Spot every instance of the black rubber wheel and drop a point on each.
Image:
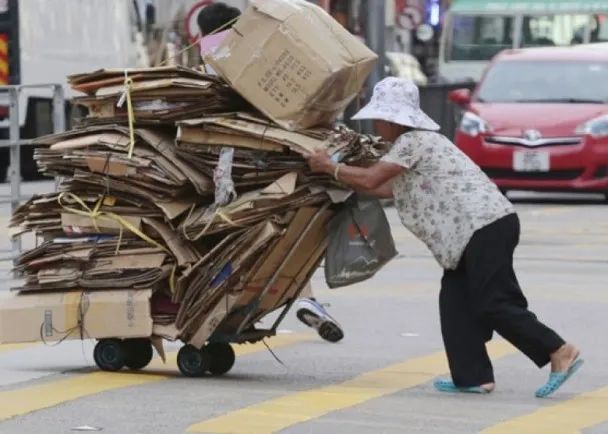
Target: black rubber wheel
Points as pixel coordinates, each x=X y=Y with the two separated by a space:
x=222 y=357
x=193 y=362
x=109 y=354
x=138 y=353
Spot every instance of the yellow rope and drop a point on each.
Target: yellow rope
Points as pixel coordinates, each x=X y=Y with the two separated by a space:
x=217 y=213
x=130 y=114
x=183 y=50
x=95 y=214
x=180 y=52
x=227 y=219
x=117 y=251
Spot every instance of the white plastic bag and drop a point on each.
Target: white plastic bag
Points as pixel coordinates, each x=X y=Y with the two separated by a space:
x=222 y=177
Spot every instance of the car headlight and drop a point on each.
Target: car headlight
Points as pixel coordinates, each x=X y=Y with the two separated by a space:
x=472 y=125
x=596 y=128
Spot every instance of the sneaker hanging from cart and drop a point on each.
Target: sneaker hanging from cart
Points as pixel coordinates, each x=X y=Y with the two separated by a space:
x=313 y=314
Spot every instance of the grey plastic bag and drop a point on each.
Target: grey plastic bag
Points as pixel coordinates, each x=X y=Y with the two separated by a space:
x=360 y=243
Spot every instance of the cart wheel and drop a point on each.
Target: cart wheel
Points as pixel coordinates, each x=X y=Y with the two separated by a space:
x=138 y=353
x=109 y=354
x=222 y=357
x=193 y=362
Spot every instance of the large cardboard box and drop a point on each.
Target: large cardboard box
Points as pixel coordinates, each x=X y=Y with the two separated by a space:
x=293 y=61
x=294 y=275
x=231 y=310
x=75 y=314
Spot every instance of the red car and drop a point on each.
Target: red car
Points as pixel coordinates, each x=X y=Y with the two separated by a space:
x=538 y=119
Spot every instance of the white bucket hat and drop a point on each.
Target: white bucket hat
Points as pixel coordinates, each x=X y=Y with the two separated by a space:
x=397 y=100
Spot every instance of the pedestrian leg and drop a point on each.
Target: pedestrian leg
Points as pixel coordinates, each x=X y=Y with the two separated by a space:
x=498 y=299
x=464 y=336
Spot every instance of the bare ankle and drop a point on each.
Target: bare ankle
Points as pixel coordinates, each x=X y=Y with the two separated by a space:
x=563 y=357
x=565 y=350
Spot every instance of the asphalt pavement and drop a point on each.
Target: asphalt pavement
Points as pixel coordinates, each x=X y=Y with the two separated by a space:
x=377 y=380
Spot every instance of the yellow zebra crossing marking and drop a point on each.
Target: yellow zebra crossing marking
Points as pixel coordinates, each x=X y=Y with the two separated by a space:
x=22 y=401
x=280 y=413
x=567 y=417
x=28 y=399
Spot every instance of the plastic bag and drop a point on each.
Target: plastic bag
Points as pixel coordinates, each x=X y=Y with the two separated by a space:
x=360 y=243
x=222 y=177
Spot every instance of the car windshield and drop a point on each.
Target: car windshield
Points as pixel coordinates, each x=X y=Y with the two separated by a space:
x=545 y=81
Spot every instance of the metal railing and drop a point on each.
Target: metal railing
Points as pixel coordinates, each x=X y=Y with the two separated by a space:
x=15 y=142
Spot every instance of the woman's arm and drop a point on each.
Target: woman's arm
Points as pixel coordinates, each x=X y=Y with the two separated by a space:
x=385 y=191
x=372 y=178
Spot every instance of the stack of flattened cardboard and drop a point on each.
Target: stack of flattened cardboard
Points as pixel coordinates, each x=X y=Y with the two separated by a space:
x=141 y=216
x=140 y=232
x=263 y=151
x=158 y=95
x=92 y=262
x=149 y=168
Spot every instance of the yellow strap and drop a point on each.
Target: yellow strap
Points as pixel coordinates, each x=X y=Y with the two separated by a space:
x=224 y=217
x=117 y=251
x=88 y=211
x=130 y=114
x=95 y=213
x=218 y=213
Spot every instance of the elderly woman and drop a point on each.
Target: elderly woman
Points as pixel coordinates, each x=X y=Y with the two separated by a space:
x=447 y=202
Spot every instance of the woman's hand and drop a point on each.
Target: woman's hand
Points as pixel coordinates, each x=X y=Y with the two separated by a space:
x=376 y=179
x=320 y=162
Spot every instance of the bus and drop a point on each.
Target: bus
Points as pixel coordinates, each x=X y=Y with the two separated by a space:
x=475 y=31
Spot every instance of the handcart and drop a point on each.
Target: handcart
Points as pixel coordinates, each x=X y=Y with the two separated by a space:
x=216 y=357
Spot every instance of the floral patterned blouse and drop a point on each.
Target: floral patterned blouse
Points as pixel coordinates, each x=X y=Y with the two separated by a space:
x=442 y=197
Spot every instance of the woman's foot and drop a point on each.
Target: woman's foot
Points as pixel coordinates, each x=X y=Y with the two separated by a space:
x=565 y=362
x=444 y=385
x=489 y=387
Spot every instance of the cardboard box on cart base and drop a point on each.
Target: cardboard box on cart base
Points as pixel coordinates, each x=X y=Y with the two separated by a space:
x=55 y=316
x=294 y=62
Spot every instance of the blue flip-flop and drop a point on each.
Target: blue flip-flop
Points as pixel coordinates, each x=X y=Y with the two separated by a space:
x=557 y=379
x=448 y=386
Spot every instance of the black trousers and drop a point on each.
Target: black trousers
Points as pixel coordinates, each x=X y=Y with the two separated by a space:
x=482 y=296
